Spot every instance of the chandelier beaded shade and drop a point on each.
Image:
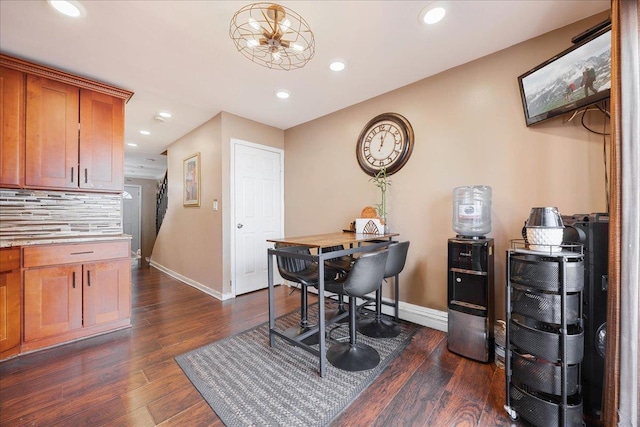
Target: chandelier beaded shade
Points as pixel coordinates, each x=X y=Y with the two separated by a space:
x=273 y=36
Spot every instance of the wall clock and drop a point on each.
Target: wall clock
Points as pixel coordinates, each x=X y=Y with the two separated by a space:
x=386 y=141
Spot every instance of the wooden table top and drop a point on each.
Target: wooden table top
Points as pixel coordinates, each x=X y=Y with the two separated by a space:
x=332 y=239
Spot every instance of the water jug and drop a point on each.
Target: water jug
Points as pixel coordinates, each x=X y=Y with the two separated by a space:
x=472 y=210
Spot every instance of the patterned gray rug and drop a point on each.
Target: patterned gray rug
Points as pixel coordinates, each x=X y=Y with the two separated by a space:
x=248 y=383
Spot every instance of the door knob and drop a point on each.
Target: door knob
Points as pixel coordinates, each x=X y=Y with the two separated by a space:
x=239 y=225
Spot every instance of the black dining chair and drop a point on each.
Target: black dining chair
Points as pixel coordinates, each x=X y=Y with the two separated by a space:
x=304 y=272
x=343 y=265
x=365 y=276
x=377 y=326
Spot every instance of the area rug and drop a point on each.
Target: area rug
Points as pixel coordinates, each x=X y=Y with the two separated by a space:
x=248 y=383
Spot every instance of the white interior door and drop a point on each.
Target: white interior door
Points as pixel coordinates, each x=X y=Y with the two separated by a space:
x=131 y=214
x=257 y=211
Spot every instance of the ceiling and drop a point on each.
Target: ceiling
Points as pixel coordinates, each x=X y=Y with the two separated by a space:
x=177 y=56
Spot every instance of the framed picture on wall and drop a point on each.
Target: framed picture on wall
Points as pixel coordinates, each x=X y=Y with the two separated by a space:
x=191 y=171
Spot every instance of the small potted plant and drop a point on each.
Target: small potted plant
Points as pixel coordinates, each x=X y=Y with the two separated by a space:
x=381 y=181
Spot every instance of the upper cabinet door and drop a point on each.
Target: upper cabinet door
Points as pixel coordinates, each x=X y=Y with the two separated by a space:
x=11 y=127
x=101 y=141
x=51 y=134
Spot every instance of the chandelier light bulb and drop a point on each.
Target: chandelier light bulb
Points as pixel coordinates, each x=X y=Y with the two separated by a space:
x=297 y=47
x=254 y=24
x=285 y=25
x=253 y=43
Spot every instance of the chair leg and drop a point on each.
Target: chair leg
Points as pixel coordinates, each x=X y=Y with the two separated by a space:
x=340 y=310
x=377 y=326
x=304 y=326
x=353 y=356
x=396 y=296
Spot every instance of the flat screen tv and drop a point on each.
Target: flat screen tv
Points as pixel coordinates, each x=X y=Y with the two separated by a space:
x=573 y=79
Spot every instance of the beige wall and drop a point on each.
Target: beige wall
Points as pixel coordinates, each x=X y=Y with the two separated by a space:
x=148 y=213
x=187 y=238
x=194 y=241
x=469 y=130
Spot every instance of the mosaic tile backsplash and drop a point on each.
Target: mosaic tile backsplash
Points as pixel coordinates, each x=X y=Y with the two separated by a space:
x=26 y=214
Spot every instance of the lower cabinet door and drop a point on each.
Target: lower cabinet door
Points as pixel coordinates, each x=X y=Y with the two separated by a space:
x=10 y=321
x=52 y=301
x=107 y=291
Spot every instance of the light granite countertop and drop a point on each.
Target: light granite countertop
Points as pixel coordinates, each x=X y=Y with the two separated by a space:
x=9 y=243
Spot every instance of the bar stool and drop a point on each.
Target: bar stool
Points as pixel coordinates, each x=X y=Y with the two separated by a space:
x=343 y=265
x=377 y=326
x=305 y=273
x=365 y=276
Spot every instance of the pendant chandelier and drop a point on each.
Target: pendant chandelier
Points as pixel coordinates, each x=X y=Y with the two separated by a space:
x=273 y=36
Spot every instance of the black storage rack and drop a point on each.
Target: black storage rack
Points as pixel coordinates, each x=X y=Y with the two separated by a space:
x=544 y=336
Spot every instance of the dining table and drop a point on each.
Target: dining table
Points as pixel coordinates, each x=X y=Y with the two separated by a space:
x=352 y=243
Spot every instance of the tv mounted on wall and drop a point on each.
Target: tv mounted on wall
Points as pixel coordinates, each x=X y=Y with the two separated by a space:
x=573 y=79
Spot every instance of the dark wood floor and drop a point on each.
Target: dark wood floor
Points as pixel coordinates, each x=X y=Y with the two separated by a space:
x=130 y=378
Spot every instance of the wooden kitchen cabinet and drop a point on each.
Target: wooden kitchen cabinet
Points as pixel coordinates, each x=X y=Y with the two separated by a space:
x=12 y=119
x=101 y=141
x=60 y=131
x=10 y=302
x=107 y=292
x=51 y=134
x=52 y=300
x=74 y=137
x=73 y=291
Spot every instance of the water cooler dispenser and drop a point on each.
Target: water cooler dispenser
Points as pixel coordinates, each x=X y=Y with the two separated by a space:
x=470 y=275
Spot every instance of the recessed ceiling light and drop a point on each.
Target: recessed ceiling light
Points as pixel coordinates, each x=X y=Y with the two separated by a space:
x=283 y=94
x=131 y=144
x=433 y=15
x=337 y=65
x=165 y=114
x=150 y=160
x=145 y=132
x=68 y=7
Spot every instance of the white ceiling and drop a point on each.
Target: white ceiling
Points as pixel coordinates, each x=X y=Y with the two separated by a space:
x=177 y=55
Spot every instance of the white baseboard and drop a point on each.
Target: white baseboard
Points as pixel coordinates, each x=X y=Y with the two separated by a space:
x=190 y=282
x=434 y=319
x=424 y=316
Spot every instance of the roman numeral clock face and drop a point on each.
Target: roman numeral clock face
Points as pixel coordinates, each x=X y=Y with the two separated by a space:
x=386 y=141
